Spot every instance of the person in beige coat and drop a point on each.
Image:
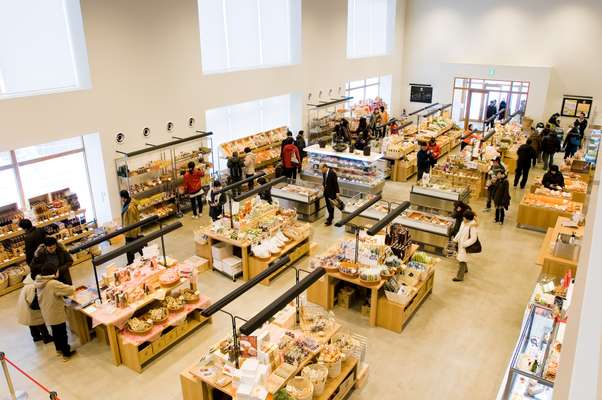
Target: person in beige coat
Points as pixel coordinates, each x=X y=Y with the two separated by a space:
x=50 y=296
x=466 y=236
x=29 y=313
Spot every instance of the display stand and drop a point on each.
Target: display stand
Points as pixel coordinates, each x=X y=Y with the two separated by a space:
x=153 y=175
x=322 y=118
x=356 y=172
x=304 y=197
x=541 y=218
x=557 y=265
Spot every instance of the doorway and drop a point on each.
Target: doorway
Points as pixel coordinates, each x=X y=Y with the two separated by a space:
x=472 y=96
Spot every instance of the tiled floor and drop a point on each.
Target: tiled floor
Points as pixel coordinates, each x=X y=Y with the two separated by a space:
x=456 y=347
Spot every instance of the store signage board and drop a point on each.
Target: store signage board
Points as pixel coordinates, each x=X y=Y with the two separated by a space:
x=421 y=93
x=572 y=106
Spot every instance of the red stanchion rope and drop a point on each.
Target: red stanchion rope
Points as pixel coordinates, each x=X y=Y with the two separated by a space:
x=44 y=388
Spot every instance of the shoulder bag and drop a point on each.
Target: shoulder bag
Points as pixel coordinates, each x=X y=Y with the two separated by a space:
x=475 y=247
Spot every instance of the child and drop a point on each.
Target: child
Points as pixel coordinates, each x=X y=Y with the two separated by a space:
x=29 y=314
x=216 y=201
x=50 y=296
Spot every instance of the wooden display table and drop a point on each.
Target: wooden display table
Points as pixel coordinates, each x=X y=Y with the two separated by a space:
x=541 y=218
x=405 y=170
x=383 y=312
x=251 y=265
x=196 y=386
x=573 y=185
x=551 y=264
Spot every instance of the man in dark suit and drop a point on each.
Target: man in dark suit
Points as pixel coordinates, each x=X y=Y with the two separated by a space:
x=34 y=237
x=331 y=190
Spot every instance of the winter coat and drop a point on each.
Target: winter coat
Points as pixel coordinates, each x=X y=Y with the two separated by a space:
x=300 y=143
x=501 y=196
x=287 y=155
x=130 y=214
x=216 y=203
x=193 y=181
x=235 y=167
x=435 y=150
x=550 y=144
x=330 y=183
x=466 y=236
x=493 y=173
x=33 y=238
x=526 y=154
x=423 y=160
x=25 y=315
x=549 y=180
x=582 y=126
x=250 y=162
x=50 y=296
x=63 y=261
x=572 y=141
x=535 y=141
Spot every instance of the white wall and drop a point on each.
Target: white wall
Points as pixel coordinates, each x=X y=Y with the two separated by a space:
x=146 y=70
x=521 y=39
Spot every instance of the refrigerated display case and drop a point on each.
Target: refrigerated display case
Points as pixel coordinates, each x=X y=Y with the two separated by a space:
x=438 y=196
x=592 y=146
x=370 y=216
x=306 y=198
x=357 y=173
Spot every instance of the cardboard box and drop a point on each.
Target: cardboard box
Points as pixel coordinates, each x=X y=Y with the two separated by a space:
x=221 y=250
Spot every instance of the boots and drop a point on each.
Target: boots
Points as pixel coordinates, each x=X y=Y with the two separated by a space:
x=497 y=215
x=502 y=215
x=463 y=268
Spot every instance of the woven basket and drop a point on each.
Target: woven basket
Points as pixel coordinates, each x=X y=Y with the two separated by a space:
x=317 y=374
x=3 y=281
x=300 y=388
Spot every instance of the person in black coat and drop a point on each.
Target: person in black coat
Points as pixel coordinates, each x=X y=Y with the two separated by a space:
x=330 y=181
x=526 y=156
x=265 y=195
x=235 y=166
x=34 y=237
x=553 y=179
x=50 y=252
x=458 y=215
x=423 y=161
x=572 y=142
x=581 y=125
x=502 y=110
x=549 y=146
x=501 y=198
x=491 y=111
x=216 y=201
x=554 y=120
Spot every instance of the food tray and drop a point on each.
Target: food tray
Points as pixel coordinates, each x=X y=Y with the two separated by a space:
x=141 y=333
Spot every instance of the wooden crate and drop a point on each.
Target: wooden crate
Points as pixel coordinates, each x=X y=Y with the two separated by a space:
x=138 y=357
x=405 y=171
x=394 y=316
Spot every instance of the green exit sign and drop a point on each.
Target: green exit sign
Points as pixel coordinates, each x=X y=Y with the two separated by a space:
x=491 y=72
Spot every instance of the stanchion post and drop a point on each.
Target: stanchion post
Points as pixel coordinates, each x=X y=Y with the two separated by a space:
x=9 y=381
x=53 y=395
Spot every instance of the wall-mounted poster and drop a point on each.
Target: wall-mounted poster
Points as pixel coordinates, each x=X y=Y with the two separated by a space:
x=572 y=106
x=421 y=93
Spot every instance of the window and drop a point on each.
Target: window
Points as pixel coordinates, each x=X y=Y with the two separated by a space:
x=244 y=119
x=42 y=47
x=370 y=27
x=46 y=168
x=248 y=34
x=369 y=89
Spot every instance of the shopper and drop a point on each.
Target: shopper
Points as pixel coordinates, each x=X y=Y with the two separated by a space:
x=581 y=125
x=34 y=237
x=469 y=136
x=458 y=215
x=424 y=160
x=301 y=145
x=362 y=134
x=526 y=157
x=265 y=195
x=29 y=314
x=346 y=132
x=536 y=138
x=250 y=163
x=51 y=252
x=384 y=115
x=553 y=179
x=549 y=146
x=52 y=305
x=130 y=214
x=375 y=123
x=501 y=197
x=291 y=159
x=490 y=112
x=193 y=187
x=235 y=166
x=289 y=134
x=502 y=110
x=490 y=183
x=554 y=120
x=216 y=201
x=330 y=181
x=435 y=151
x=466 y=237
x=572 y=142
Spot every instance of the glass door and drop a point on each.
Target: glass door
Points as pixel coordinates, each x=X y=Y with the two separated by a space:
x=477 y=106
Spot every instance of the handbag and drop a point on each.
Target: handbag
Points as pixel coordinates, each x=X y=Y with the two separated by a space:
x=338 y=203
x=475 y=247
x=294 y=159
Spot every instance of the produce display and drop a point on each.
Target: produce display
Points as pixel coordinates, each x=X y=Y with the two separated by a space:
x=427 y=218
x=397 y=146
x=254 y=142
x=157 y=315
x=311 y=193
x=538 y=200
x=553 y=193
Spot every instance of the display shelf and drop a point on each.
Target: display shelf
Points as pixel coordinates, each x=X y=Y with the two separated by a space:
x=11 y=289
x=12 y=261
x=335 y=386
x=328 y=151
x=558 y=265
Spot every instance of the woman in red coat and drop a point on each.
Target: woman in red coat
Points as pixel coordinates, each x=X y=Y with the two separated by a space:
x=291 y=158
x=193 y=187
